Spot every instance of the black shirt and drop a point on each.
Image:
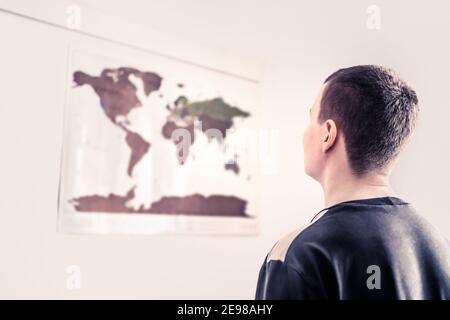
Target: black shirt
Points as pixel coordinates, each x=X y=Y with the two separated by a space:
x=377 y=248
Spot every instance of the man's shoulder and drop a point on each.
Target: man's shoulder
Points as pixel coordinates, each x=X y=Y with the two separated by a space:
x=300 y=238
x=280 y=249
x=325 y=233
x=346 y=229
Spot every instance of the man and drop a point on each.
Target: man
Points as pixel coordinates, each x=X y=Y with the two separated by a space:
x=367 y=243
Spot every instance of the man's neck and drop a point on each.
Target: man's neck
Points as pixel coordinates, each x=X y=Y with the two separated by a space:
x=341 y=189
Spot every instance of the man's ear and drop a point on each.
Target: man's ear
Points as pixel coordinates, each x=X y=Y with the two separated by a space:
x=330 y=134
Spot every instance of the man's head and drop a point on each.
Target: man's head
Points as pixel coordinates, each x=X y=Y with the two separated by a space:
x=360 y=119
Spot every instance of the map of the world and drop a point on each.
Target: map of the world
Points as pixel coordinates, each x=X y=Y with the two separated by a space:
x=140 y=139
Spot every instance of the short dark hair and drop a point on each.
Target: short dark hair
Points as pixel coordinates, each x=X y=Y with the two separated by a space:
x=375 y=110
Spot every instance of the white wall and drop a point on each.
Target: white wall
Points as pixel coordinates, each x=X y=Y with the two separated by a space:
x=300 y=42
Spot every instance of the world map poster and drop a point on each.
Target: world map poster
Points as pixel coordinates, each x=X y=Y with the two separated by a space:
x=154 y=144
